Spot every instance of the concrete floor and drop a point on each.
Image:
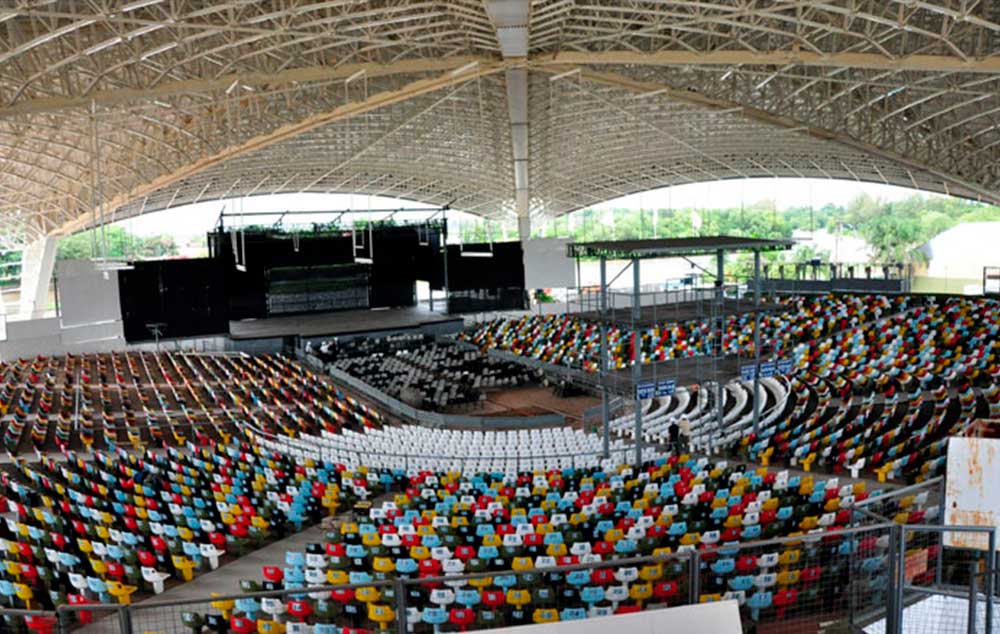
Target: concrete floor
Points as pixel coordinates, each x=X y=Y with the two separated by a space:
x=147 y=618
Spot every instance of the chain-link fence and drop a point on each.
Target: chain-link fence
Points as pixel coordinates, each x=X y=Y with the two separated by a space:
x=879 y=577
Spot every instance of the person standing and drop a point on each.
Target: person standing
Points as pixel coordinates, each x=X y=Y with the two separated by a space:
x=685 y=433
x=674 y=433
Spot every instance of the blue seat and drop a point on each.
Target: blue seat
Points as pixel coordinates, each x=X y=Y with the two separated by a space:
x=406 y=566
x=484 y=529
x=431 y=541
x=592 y=594
x=751 y=532
x=434 y=616
x=554 y=537
x=359 y=577
x=248 y=607
x=356 y=551
x=578 y=577
x=488 y=552
x=572 y=614
x=295 y=558
x=625 y=546
x=757 y=602
x=723 y=566
x=741 y=583
x=505 y=581
x=467 y=597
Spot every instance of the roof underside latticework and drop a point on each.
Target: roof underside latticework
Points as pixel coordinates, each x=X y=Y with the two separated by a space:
x=109 y=108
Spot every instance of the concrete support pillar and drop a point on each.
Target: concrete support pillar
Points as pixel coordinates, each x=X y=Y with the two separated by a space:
x=523 y=228
x=37 y=260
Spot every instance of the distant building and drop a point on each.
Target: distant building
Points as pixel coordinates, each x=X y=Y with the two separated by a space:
x=962 y=251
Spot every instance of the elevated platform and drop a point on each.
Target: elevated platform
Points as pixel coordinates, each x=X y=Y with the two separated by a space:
x=345 y=323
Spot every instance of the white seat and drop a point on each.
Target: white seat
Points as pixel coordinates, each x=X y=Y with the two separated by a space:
x=152 y=576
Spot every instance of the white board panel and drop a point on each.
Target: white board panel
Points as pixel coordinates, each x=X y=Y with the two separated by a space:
x=972 y=497
x=722 y=617
x=546 y=264
x=86 y=294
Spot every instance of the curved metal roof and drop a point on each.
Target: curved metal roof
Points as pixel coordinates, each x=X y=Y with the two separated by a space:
x=499 y=107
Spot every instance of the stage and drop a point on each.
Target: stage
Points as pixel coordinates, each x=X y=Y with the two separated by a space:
x=345 y=323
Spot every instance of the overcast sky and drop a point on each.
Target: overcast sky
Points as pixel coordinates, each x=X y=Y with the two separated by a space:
x=787 y=192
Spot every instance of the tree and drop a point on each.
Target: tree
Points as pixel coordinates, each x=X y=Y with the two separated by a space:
x=120 y=244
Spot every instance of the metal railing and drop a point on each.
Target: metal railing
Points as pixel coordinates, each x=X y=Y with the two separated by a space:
x=828 y=591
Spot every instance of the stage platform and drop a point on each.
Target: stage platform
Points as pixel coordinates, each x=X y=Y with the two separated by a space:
x=343 y=323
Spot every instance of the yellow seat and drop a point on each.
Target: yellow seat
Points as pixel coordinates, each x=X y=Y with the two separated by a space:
x=662 y=551
x=789 y=557
x=690 y=539
x=545 y=615
x=651 y=572
x=809 y=523
x=481 y=583
x=788 y=577
x=338 y=577
x=348 y=528
x=493 y=540
x=518 y=598
x=24 y=593
x=270 y=627
x=710 y=598
x=640 y=592
x=99 y=567
x=368 y=594
x=184 y=565
x=556 y=550
x=522 y=564
x=419 y=553
x=225 y=606
x=383 y=615
x=371 y=539
x=121 y=592
x=85 y=546
x=383 y=565
x=614 y=535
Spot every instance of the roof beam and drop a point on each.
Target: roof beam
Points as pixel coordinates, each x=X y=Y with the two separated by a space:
x=622 y=82
x=104 y=98
x=874 y=61
x=283 y=133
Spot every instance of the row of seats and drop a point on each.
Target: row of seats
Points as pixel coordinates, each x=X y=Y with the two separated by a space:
x=571 y=341
x=427 y=374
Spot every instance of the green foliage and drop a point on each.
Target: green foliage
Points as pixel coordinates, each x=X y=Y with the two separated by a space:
x=894 y=230
x=121 y=244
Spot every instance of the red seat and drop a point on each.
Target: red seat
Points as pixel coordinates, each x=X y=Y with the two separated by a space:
x=784 y=599
x=147 y=558
x=299 y=609
x=342 y=595
x=746 y=563
x=494 y=599
x=242 y=625
x=628 y=608
x=602 y=576
x=461 y=617
x=273 y=573
x=665 y=590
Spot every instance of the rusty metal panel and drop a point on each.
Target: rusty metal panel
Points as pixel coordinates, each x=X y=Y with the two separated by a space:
x=972 y=491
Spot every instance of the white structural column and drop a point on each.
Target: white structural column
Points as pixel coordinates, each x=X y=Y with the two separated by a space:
x=37 y=260
x=511 y=19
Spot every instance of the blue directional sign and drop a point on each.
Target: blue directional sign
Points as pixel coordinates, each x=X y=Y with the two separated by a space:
x=747 y=372
x=785 y=366
x=645 y=390
x=767 y=370
x=666 y=387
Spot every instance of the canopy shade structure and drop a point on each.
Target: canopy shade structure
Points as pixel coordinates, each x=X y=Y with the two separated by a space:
x=502 y=108
x=672 y=247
